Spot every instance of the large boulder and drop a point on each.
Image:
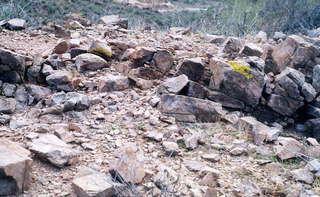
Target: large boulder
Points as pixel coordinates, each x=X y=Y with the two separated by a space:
x=90 y=62
x=15 y=168
x=188 y=109
x=295 y=52
x=238 y=80
x=193 y=68
x=174 y=85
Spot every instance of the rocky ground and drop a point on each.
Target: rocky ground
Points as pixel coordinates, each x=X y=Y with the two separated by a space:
x=100 y=110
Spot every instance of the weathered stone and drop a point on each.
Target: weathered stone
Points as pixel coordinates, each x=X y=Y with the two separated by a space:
x=163 y=60
x=215 y=39
x=193 y=165
x=61 y=80
x=237 y=151
x=313 y=165
x=308 y=92
x=288 y=147
x=114 y=20
x=195 y=90
x=54 y=150
x=76 y=101
x=316 y=78
x=90 y=62
x=101 y=48
x=154 y=135
x=61 y=47
x=16 y=24
x=111 y=82
x=283 y=105
x=170 y=148
x=251 y=49
x=244 y=83
x=46 y=70
x=12 y=66
x=8 y=89
x=129 y=165
x=91 y=183
x=34 y=74
x=191 y=141
x=232 y=46
x=142 y=55
x=187 y=109
x=38 y=92
x=225 y=100
x=279 y=35
x=7 y=105
x=15 y=168
x=174 y=85
x=313 y=126
x=303 y=175
x=211 y=157
x=74 y=52
x=77 y=17
x=193 y=68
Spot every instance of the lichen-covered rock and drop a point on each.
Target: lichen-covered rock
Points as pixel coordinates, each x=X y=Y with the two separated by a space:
x=238 y=80
x=101 y=48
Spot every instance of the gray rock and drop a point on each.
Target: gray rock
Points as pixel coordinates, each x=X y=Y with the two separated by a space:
x=15 y=168
x=225 y=100
x=312 y=111
x=192 y=68
x=7 y=105
x=34 y=74
x=154 y=135
x=303 y=175
x=288 y=147
x=8 y=89
x=16 y=24
x=316 y=78
x=308 y=92
x=4 y=119
x=60 y=80
x=187 y=109
x=251 y=49
x=12 y=66
x=279 y=35
x=111 y=82
x=38 y=92
x=211 y=157
x=232 y=46
x=91 y=183
x=76 y=101
x=283 y=105
x=114 y=20
x=244 y=83
x=196 y=90
x=314 y=165
x=90 y=62
x=170 y=148
x=54 y=150
x=163 y=60
x=174 y=85
x=313 y=126
x=47 y=70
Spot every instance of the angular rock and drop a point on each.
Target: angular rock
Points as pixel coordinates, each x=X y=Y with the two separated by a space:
x=142 y=55
x=308 y=92
x=193 y=68
x=313 y=126
x=316 y=78
x=225 y=100
x=16 y=24
x=38 y=92
x=232 y=46
x=129 y=165
x=211 y=157
x=288 y=147
x=12 y=66
x=7 y=105
x=15 y=168
x=174 y=85
x=101 y=49
x=91 y=183
x=54 y=150
x=154 y=135
x=303 y=175
x=90 y=62
x=237 y=79
x=283 y=105
x=251 y=49
x=187 y=109
x=114 y=20
x=60 y=80
x=163 y=60
x=8 y=89
x=76 y=101
x=61 y=48
x=111 y=82
x=170 y=148
x=313 y=165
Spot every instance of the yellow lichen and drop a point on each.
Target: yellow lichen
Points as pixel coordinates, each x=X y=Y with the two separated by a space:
x=240 y=67
x=107 y=52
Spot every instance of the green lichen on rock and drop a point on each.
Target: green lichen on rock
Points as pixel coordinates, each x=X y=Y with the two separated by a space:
x=240 y=67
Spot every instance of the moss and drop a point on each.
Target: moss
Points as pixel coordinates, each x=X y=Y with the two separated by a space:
x=241 y=67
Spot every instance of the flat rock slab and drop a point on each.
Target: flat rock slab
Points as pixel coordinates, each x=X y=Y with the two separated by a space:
x=54 y=150
x=93 y=184
x=15 y=168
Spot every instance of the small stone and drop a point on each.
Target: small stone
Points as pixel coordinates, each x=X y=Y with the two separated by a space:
x=211 y=157
x=154 y=135
x=111 y=82
x=314 y=165
x=101 y=48
x=288 y=148
x=174 y=85
x=61 y=48
x=194 y=166
x=303 y=175
x=16 y=24
x=237 y=151
x=170 y=148
x=90 y=62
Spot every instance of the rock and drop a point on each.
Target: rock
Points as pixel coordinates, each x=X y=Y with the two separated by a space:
x=232 y=46
x=251 y=49
x=195 y=90
x=166 y=178
x=288 y=147
x=313 y=165
x=163 y=60
x=308 y=92
x=237 y=151
x=215 y=39
x=174 y=85
x=76 y=101
x=303 y=175
x=113 y=83
x=238 y=80
x=7 y=105
x=211 y=157
x=170 y=148
x=90 y=62
x=187 y=109
x=316 y=78
x=114 y=20
x=61 y=48
x=74 y=52
x=211 y=178
x=154 y=135
x=193 y=165
x=38 y=92
x=283 y=105
x=8 y=89
x=313 y=126
x=129 y=165
x=15 y=168
x=60 y=80
x=191 y=141
x=46 y=70
x=34 y=74
x=225 y=100
x=312 y=141
x=279 y=36
x=91 y=183
x=101 y=49
x=294 y=51
x=12 y=66
x=192 y=68
x=16 y=24
x=54 y=150
x=312 y=111
x=76 y=17
x=142 y=55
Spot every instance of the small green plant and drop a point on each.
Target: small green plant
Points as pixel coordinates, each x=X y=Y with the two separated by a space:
x=240 y=67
